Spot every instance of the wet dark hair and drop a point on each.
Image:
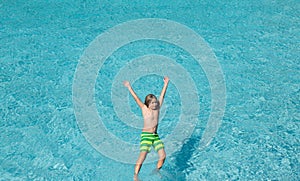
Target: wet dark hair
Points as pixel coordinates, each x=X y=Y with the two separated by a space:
x=149 y=98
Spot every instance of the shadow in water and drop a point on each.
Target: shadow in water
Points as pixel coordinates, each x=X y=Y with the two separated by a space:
x=180 y=159
x=185 y=153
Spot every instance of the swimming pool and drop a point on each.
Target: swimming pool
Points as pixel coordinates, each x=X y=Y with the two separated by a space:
x=256 y=44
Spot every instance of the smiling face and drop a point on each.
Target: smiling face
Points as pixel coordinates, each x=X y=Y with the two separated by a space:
x=151 y=102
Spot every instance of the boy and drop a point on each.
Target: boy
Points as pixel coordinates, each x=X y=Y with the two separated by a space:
x=149 y=137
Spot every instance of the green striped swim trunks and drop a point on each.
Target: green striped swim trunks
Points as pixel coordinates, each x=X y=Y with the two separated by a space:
x=150 y=139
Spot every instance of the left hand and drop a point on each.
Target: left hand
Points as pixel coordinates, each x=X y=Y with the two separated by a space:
x=166 y=80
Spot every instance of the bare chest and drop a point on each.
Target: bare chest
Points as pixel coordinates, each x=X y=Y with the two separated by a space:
x=150 y=115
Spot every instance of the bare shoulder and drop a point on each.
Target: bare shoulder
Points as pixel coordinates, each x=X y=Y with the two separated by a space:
x=144 y=107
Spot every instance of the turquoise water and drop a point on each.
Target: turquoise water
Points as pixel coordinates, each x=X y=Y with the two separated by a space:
x=256 y=44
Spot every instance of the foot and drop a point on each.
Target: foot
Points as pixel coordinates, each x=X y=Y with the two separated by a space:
x=136 y=178
x=156 y=172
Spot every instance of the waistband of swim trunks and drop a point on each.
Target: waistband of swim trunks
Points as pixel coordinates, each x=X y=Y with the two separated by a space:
x=149 y=133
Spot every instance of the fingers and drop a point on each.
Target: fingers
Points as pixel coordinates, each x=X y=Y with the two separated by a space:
x=166 y=79
x=126 y=83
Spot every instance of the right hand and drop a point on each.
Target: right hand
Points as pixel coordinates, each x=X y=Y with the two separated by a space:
x=126 y=84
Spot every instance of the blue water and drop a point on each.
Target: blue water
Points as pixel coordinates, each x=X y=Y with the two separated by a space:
x=255 y=42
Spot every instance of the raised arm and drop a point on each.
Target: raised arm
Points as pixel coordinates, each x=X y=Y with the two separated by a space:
x=163 y=91
x=136 y=98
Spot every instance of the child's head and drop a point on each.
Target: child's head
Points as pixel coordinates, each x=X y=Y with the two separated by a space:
x=151 y=101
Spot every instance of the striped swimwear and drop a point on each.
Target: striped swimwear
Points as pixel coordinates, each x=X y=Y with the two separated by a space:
x=150 y=139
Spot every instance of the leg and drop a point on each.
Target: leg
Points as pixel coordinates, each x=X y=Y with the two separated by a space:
x=162 y=157
x=145 y=146
x=139 y=162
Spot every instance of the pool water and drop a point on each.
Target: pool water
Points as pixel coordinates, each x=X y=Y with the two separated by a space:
x=256 y=43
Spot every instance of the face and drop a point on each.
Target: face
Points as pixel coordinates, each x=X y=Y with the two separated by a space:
x=153 y=104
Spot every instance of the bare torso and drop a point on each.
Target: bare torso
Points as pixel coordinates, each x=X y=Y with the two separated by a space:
x=150 y=119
